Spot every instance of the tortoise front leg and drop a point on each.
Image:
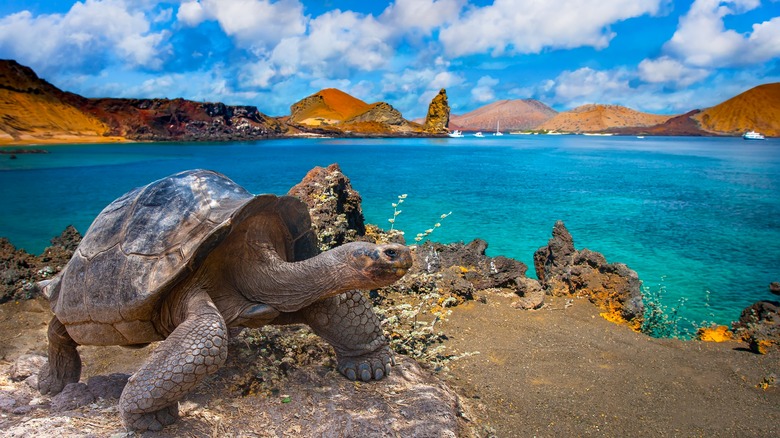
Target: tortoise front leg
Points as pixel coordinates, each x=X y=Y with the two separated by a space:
x=196 y=347
x=64 y=362
x=349 y=324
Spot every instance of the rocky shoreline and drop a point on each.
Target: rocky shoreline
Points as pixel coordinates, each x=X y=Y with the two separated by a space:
x=445 y=279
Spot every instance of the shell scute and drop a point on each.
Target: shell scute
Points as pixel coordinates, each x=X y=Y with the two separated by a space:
x=151 y=238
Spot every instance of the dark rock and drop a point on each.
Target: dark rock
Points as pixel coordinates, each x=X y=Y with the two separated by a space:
x=19 y=270
x=564 y=271
x=73 y=396
x=553 y=262
x=774 y=287
x=759 y=326
x=107 y=387
x=334 y=205
x=438 y=116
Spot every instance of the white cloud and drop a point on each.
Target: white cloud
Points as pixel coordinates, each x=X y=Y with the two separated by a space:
x=585 y=85
x=702 y=39
x=484 y=92
x=254 y=24
x=420 y=15
x=524 y=26
x=89 y=32
x=669 y=70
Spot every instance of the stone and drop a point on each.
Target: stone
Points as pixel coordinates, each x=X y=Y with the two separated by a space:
x=613 y=287
x=73 y=396
x=438 y=117
x=334 y=205
x=107 y=387
x=774 y=287
x=759 y=326
x=531 y=293
x=25 y=366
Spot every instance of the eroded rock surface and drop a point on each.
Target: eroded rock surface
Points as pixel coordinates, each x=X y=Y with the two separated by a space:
x=564 y=271
x=438 y=116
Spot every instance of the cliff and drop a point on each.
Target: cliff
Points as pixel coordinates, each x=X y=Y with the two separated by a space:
x=513 y=115
x=178 y=119
x=35 y=111
x=756 y=109
x=599 y=118
x=32 y=110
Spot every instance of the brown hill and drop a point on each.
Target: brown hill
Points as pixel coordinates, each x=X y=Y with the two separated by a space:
x=683 y=125
x=333 y=111
x=756 y=109
x=517 y=114
x=32 y=110
x=600 y=118
x=329 y=106
x=35 y=111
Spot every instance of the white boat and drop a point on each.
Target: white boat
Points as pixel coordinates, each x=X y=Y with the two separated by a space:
x=478 y=134
x=455 y=134
x=753 y=135
x=498 y=131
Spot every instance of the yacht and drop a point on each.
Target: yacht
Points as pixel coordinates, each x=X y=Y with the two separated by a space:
x=478 y=134
x=753 y=135
x=498 y=131
x=455 y=134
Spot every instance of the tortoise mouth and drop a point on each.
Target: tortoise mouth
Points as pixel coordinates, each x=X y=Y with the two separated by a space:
x=384 y=263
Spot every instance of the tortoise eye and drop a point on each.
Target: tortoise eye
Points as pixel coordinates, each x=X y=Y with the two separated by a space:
x=391 y=253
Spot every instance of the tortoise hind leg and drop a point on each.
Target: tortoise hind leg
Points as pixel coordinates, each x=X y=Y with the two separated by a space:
x=196 y=347
x=64 y=364
x=349 y=324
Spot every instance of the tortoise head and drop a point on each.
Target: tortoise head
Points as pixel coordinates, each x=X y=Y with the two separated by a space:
x=377 y=265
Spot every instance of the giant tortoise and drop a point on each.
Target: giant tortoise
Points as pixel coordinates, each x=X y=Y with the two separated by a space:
x=182 y=259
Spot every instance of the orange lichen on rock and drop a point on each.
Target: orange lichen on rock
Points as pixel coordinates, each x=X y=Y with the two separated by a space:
x=715 y=333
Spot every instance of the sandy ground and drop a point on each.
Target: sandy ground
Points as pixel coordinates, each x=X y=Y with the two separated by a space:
x=558 y=371
x=565 y=371
x=49 y=139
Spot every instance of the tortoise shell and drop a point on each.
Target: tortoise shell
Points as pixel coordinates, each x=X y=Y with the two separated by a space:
x=152 y=238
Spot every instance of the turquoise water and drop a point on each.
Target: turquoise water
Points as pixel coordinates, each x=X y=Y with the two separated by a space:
x=699 y=216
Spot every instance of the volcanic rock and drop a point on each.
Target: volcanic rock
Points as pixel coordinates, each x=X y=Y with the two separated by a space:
x=613 y=287
x=759 y=326
x=19 y=270
x=336 y=213
x=438 y=117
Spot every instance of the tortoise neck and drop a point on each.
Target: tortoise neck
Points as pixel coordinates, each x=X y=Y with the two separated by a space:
x=290 y=286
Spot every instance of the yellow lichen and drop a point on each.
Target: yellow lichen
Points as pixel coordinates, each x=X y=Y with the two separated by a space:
x=716 y=333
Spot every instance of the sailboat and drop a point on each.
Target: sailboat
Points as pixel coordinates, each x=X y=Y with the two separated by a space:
x=498 y=131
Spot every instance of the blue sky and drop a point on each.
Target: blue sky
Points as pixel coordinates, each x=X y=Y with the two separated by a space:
x=659 y=56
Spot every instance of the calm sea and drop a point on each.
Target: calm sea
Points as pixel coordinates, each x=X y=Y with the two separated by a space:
x=697 y=217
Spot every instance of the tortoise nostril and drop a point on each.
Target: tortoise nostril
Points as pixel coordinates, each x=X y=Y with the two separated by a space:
x=391 y=253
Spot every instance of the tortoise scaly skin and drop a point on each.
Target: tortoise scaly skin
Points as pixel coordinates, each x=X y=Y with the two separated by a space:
x=186 y=257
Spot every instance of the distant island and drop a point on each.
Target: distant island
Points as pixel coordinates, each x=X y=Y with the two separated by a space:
x=35 y=111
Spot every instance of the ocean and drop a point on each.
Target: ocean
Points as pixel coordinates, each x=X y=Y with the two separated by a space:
x=697 y=218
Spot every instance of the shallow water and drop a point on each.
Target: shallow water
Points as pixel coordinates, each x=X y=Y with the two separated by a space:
x=700 y=216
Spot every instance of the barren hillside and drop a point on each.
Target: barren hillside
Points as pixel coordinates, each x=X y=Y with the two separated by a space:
x=31 y=109
x=598 y=118
x=512 y=114
x=756 y=109
x=329 y=106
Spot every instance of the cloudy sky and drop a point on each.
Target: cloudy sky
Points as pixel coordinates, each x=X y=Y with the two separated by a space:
x=661 y=56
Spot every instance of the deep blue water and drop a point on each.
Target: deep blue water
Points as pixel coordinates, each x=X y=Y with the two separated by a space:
x=699 y=216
